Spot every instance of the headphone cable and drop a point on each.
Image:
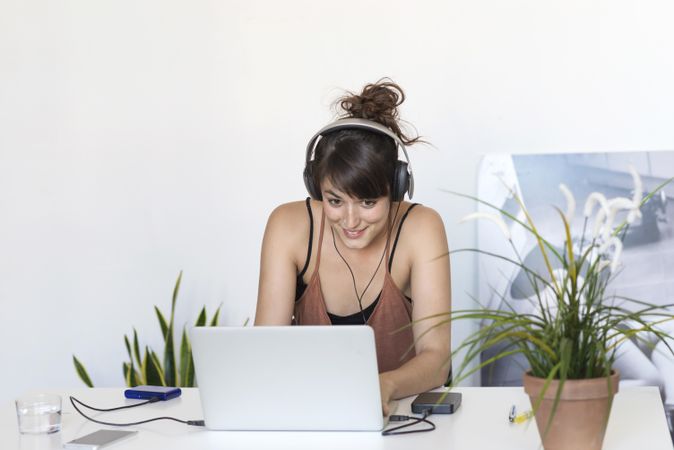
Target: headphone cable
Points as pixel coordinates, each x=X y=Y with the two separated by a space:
x=359 y=298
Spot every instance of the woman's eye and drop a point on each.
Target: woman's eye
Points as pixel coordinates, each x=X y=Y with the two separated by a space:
x=369 y=203
x=334 y=202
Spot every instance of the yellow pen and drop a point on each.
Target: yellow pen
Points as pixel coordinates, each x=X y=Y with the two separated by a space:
x=513 y=417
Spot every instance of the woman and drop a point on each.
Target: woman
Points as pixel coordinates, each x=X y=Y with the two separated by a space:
x=343 y=256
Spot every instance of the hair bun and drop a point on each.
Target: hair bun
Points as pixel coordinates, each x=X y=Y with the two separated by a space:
x=379 y=102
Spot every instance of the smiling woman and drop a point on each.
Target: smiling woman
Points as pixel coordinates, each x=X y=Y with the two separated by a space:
x=368 y=270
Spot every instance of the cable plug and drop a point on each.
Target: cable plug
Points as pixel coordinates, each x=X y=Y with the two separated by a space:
x=399 y=418
x=196 y=423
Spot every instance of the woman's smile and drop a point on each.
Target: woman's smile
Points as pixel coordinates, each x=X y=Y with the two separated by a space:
x=353 y=234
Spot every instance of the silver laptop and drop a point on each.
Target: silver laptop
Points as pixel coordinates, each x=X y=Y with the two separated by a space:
x=288 y=378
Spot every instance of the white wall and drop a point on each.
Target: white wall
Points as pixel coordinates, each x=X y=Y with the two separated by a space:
x=139 y=138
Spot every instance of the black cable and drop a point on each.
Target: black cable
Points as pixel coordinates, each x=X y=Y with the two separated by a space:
x=198 y=423
x=359 y=298
x=417 y=420
x=152 y=400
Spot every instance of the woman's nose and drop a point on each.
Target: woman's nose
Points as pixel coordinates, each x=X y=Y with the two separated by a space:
x=351 y=218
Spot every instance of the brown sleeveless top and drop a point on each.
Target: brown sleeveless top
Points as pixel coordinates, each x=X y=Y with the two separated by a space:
x=395 y=346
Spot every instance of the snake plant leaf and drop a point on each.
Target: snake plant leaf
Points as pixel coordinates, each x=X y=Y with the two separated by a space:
x=143 y=366
x=176 y=289
x=216 y=316
x=162 y=323
x=131 y=375
x=170 y=368
x=160 y=371
x=189 y=377
x=128 y=347
x=201 y=320
x=136 y=348
x=82 y=372
x=152 y=370
x=134 y=378
x=126 y=370
x=184 y=346
x=186 y=361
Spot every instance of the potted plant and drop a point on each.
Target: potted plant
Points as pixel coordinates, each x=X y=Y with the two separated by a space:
x=146 y=367
x=570 y=338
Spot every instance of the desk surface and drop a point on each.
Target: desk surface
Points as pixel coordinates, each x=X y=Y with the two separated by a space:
x=637 y=421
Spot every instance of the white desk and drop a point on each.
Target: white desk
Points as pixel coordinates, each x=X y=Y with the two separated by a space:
x=637 y=422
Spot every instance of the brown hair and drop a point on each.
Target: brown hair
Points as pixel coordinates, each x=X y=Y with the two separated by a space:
x=379 y=102
x=361 y=162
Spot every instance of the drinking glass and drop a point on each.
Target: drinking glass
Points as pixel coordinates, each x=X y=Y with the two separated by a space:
x=39 y=413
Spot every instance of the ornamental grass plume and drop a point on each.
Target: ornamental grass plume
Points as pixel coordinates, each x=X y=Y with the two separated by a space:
x=576 y=326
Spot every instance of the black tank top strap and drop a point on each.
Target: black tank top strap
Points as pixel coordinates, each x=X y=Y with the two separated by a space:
x=320 y=242
x=395 y=242
x=311 y=238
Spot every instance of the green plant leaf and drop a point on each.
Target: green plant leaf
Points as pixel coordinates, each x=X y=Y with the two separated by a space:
x=176 y=289
x=128 y=347
x=201 y=320
x=143 y=367
x=126 y=370
x=157 y=364
x=170 y=369
x=214 y=322
x=131 y=375
x=162 y=323
x=186 y=361
x=82 y=372
x=170 y=366
x=136 y=348
x=569 y=245
x=152 y=370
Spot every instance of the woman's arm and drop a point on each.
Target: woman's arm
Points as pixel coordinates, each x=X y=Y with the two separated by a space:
x=430 y=288
x=286 y=231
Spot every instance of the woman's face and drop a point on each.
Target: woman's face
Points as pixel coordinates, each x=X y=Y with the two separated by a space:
x=356 y=222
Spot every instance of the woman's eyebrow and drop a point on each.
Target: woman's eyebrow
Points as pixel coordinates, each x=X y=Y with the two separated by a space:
x=329 y=191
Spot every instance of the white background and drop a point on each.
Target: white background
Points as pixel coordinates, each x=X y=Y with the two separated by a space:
x=139 y=138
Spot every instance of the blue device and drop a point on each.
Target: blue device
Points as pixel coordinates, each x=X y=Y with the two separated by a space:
x=148 y=392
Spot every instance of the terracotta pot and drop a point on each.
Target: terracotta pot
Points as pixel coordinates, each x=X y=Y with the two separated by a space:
x=582 y=413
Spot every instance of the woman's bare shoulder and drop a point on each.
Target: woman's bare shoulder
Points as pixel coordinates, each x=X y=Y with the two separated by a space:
x=424 y=228
x=290 y=221
x=424 y=218
x=288 y=211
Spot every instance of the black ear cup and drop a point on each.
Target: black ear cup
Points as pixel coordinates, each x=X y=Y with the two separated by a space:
x=314 y=191
x=400 y=183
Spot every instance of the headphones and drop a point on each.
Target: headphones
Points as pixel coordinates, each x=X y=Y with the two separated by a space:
x=403 y=181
